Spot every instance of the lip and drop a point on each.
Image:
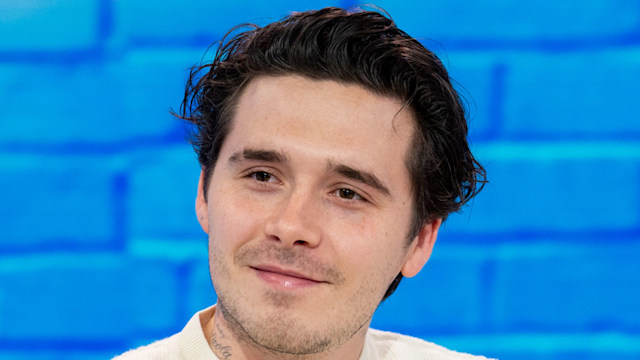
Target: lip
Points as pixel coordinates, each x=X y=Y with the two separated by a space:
x=284 y=278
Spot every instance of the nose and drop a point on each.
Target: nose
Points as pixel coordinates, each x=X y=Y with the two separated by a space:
x=296 y=220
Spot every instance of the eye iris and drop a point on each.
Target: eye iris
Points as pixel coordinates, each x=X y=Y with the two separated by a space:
x=262 y=176
x=347 y=194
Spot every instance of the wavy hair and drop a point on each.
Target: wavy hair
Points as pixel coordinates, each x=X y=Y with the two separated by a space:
x=364 y=48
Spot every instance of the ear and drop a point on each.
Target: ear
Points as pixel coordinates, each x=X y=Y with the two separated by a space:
x=421 y=248
x=202 y=211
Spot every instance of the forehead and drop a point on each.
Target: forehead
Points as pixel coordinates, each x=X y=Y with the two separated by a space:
x=323 y=119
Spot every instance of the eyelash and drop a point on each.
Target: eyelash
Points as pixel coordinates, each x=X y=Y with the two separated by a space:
x=355 y=194
x=254 y=175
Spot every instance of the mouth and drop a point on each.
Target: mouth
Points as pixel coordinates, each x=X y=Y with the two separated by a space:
x=285 y=278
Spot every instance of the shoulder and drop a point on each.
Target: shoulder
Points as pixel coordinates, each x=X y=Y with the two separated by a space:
x=391 y=346
x=160 y=350
x=190 y=343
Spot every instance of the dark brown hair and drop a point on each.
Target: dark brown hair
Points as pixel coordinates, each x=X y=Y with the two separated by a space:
x=364 y=48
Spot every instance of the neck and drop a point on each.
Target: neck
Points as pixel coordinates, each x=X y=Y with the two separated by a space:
x=229 y=342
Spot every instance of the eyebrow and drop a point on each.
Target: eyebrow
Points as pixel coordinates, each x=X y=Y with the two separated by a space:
x=362 y=176
x=258 y=155
x=347 y=171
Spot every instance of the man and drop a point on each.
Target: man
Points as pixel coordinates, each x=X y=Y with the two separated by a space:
x=332 y=147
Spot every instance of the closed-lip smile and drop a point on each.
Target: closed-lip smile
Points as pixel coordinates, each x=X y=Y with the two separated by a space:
x=285 y=278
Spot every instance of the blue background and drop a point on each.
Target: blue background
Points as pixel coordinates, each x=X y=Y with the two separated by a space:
x=100 y=250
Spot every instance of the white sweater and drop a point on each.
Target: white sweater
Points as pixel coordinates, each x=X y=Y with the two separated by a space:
x=191 y=344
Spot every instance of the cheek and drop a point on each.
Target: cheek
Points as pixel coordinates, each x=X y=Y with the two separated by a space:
x=375 y=245
x=229 y=207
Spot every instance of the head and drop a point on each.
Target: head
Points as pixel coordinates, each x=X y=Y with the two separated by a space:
x=363 y=48
x=333 y=50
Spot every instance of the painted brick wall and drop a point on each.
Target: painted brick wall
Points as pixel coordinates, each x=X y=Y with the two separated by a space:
x=100 y=250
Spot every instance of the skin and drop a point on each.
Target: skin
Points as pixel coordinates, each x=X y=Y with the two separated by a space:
x=308 y=211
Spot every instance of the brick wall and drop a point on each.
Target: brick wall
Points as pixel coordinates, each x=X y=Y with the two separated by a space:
x=100 y=250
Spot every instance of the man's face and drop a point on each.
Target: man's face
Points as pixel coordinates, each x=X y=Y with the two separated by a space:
x=308 y=211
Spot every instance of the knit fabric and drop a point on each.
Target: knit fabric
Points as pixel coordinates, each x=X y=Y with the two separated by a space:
x=191 y=344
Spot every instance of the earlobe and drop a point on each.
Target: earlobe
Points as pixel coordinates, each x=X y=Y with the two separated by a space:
x=201 y=205
x=421 y=248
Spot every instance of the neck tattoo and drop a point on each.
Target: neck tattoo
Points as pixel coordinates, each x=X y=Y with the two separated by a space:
x=217 y=344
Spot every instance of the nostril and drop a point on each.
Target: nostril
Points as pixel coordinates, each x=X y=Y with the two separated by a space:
x=273 y=237
x=299 y=242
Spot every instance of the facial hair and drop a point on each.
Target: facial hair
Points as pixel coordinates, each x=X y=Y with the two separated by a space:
x=275 y=332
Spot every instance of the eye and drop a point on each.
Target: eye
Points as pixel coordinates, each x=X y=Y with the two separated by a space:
x=262 y=176
x=348 y=194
